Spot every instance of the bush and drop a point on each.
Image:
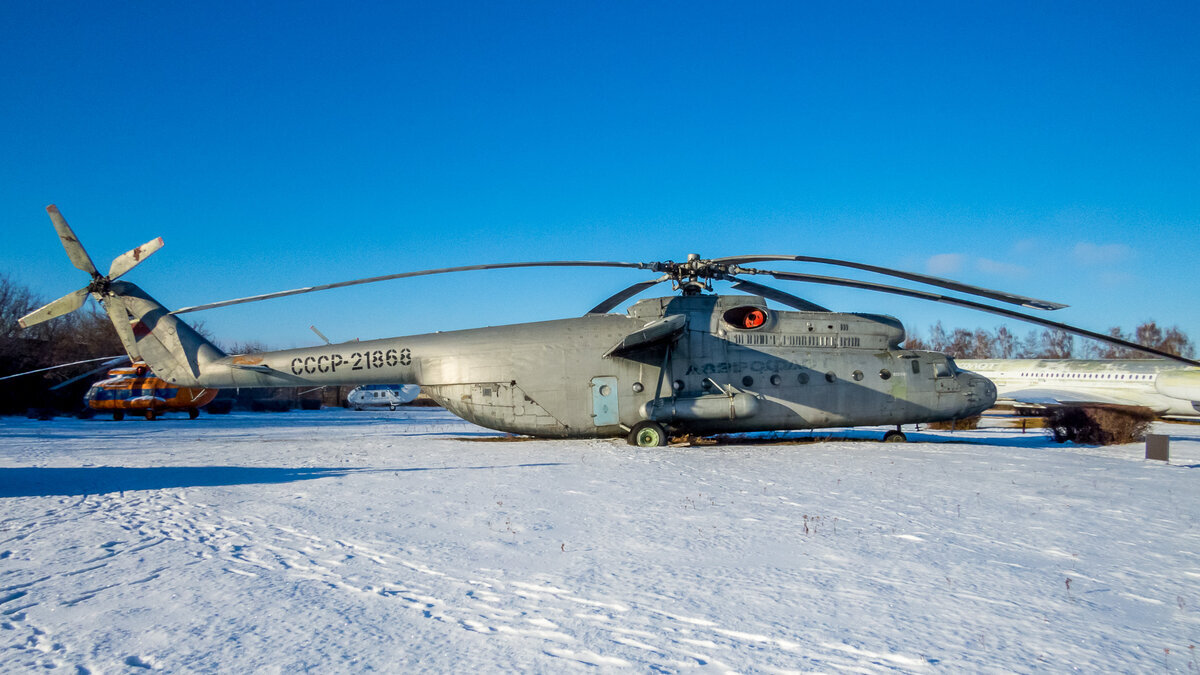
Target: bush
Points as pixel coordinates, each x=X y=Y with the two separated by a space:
x=956 y=425
x=1099 y=425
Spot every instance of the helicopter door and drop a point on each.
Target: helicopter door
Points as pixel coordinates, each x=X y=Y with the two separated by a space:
x=604 y=401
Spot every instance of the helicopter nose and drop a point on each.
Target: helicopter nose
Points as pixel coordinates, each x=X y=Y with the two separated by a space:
x=980 y=392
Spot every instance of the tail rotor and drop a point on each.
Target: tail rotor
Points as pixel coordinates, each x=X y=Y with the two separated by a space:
x=100 y=286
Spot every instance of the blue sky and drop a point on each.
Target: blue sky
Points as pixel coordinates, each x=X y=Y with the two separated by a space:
x=1046 y=149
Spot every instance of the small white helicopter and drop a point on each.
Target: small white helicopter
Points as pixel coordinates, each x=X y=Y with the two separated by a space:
x=382 y=395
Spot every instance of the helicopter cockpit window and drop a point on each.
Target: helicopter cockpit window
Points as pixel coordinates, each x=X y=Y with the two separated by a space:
x=746 y=318
x=942 y=370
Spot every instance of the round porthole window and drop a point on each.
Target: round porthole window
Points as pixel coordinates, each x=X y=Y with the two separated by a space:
x=747 y=381
x=605 y=390
x=857 y=375
x=776 y=380
x=830 y=377
x=885 y=374
x=678 y=384
x=637 y=387
x=802 y=378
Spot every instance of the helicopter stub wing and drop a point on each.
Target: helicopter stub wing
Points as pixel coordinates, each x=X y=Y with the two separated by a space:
x=654 y=333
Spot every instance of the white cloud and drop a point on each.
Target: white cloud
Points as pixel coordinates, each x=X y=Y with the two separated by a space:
x=1001 y=269
x=944 y=263
x=1087 y=253
x=949 y=264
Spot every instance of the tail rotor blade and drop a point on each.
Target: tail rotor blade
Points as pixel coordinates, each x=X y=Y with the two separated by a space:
x=75 y=252
x=64 y=305
x=130 y=259
x=115 y=306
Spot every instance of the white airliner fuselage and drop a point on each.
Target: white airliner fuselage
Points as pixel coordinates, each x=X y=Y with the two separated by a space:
x=1162 y=386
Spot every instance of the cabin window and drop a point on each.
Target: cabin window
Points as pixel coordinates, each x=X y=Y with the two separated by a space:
x=857 y=375
x=748 y=381
x=916 y=367
x=885 y=374
x=941 y=369
x=678 y=385
x=830 y=377
x=776 y=380
x=637 y=387
x=802 y=378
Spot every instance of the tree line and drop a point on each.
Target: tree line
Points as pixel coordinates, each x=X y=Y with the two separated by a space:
x=1002 y=343
x=88 y=334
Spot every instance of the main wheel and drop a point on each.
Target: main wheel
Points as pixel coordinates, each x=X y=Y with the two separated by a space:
x=895 y=436
x=193 y=413
x=118 y=415
x=391 y=406
x=648 y=435
x=150 y=414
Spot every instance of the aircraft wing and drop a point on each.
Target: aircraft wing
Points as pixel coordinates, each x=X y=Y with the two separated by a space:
x=1058 y=397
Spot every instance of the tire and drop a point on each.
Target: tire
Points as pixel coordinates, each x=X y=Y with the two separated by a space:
x=895 y=436
x=151 y=415
x=392 y=406
x=118 y=415
x=648 y=435
x=193 y=413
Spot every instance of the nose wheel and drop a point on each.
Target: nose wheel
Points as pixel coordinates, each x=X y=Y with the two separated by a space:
x=895 y=436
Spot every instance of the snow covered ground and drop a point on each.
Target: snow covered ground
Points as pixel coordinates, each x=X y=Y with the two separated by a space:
x=350 y=541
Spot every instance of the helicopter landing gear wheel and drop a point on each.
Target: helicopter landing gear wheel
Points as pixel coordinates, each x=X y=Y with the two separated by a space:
x=895 y=436
x=392 y=406
x=648 y=435
x=118 y=416
x=150 y=414
x=193 y=413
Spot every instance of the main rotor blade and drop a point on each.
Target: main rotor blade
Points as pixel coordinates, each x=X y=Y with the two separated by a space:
x=103 y=366
x=778 y=296
x=64 y=305
x=924 y=295
x=64 y=365
x=950 y=284
x=130 y=259
x=404 y=275
x=615 y=299
x=75 y=252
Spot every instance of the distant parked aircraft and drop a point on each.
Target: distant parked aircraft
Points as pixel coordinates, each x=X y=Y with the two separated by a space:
x=1164 y=387
x=382 y=395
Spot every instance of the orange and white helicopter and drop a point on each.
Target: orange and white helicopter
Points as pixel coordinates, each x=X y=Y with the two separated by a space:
x=135 y=390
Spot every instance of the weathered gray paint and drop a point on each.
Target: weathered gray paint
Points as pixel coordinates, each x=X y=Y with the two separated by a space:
x=538 y=378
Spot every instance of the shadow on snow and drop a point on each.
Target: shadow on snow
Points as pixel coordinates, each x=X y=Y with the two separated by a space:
x=76 y=481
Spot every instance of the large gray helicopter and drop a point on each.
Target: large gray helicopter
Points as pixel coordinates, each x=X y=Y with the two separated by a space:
x=695 y=363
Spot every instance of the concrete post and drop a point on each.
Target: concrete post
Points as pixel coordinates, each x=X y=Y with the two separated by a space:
x=1158 y=447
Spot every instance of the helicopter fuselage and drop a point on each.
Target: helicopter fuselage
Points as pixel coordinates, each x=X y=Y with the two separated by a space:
x=696 y=364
